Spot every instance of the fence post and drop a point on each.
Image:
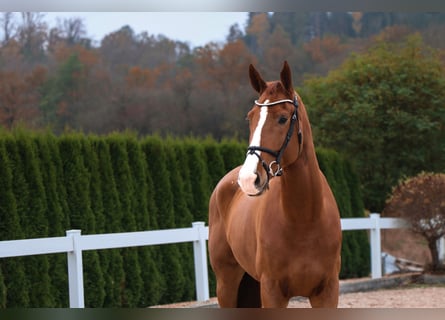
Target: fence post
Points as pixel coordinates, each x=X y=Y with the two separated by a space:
x=376 y=251
x=200 y=256
x=75 y=271
x=441 y=249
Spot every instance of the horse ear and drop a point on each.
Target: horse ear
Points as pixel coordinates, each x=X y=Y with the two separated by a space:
x=256 y=80
x=286 y=78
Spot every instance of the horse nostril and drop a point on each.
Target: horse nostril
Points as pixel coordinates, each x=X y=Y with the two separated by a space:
x=257 y=180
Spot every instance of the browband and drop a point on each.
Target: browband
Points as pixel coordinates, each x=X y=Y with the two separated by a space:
x=268 y=104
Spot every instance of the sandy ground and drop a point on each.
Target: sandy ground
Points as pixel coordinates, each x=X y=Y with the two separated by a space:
x=411 y=296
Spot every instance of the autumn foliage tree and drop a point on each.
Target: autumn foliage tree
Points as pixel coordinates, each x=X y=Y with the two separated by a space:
x=384 y=109
x=19 y=97
x=320 y=49
x=60 y=78
x=420 y=200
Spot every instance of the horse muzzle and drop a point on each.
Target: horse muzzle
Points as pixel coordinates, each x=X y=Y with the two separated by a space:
x=252 y=183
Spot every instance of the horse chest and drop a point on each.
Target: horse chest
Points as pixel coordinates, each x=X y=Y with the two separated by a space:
x=288 y=246
x=267 y=246
x=296 y=263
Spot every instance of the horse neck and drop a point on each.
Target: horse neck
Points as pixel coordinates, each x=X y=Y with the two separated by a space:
x=302 y=181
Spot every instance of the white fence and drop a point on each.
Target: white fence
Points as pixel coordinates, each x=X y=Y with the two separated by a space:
x=74 y=244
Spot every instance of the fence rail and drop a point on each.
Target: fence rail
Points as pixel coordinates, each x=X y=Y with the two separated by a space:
x=74 y=244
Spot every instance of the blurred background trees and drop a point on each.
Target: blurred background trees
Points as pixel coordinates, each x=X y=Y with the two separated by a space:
x=387 y=91
x=384 y=109
x=61 y=78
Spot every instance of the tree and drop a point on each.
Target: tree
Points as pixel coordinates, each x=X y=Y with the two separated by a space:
x=420 y=201
x=257 y=32
x=169 y=258
x=374 y=22
x=200 y=179
x=214 y=160
x=341 y=24
x=2 y=290
x=47 y=152
x=132 y=286
x=344 y=185
x=233 y=153
x=183 y=216
x=32 y=36
x=277 y=48
x=321 y=49
x=14 y=273
x=7 y=26
x=120 y=49
x=19 y=96
x=77 y=182
x=357 y=22
x=33 y=219
x=235 y=33
x=384 y=110
x=73 y=30
x=230 y=79
x=316 y=26
x=293 y=23
x=59 y=93
x=144 y=208
x=111 y=260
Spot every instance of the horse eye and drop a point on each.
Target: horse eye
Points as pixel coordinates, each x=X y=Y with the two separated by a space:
x=282 y=120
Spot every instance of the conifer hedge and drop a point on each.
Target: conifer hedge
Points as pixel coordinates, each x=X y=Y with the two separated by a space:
x=123 y=183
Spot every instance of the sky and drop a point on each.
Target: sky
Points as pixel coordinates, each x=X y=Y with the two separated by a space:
x=196 y=28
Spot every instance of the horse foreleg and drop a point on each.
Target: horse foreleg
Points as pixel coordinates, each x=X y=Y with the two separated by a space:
x=272 y=295
x=328 y=295
x=227 y=270
x=227 y=284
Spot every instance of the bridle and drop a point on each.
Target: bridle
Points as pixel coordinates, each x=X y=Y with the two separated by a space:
x=252 y=150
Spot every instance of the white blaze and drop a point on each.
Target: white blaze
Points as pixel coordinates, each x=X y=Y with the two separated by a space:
x=248 y=172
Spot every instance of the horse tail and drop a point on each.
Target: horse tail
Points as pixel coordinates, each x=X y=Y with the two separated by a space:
x=249 y=293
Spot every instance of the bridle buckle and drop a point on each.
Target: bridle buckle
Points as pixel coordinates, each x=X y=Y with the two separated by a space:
x=278 y=172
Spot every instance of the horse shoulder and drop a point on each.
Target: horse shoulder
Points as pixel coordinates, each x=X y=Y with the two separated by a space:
x=220 y=252
x=224 y=192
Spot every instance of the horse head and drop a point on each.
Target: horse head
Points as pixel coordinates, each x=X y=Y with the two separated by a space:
x=275 y=133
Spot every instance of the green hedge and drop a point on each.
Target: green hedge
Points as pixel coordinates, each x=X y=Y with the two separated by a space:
x=345 y=185
x=124 y=183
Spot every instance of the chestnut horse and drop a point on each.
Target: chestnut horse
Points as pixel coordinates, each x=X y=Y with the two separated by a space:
x=274 y=225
